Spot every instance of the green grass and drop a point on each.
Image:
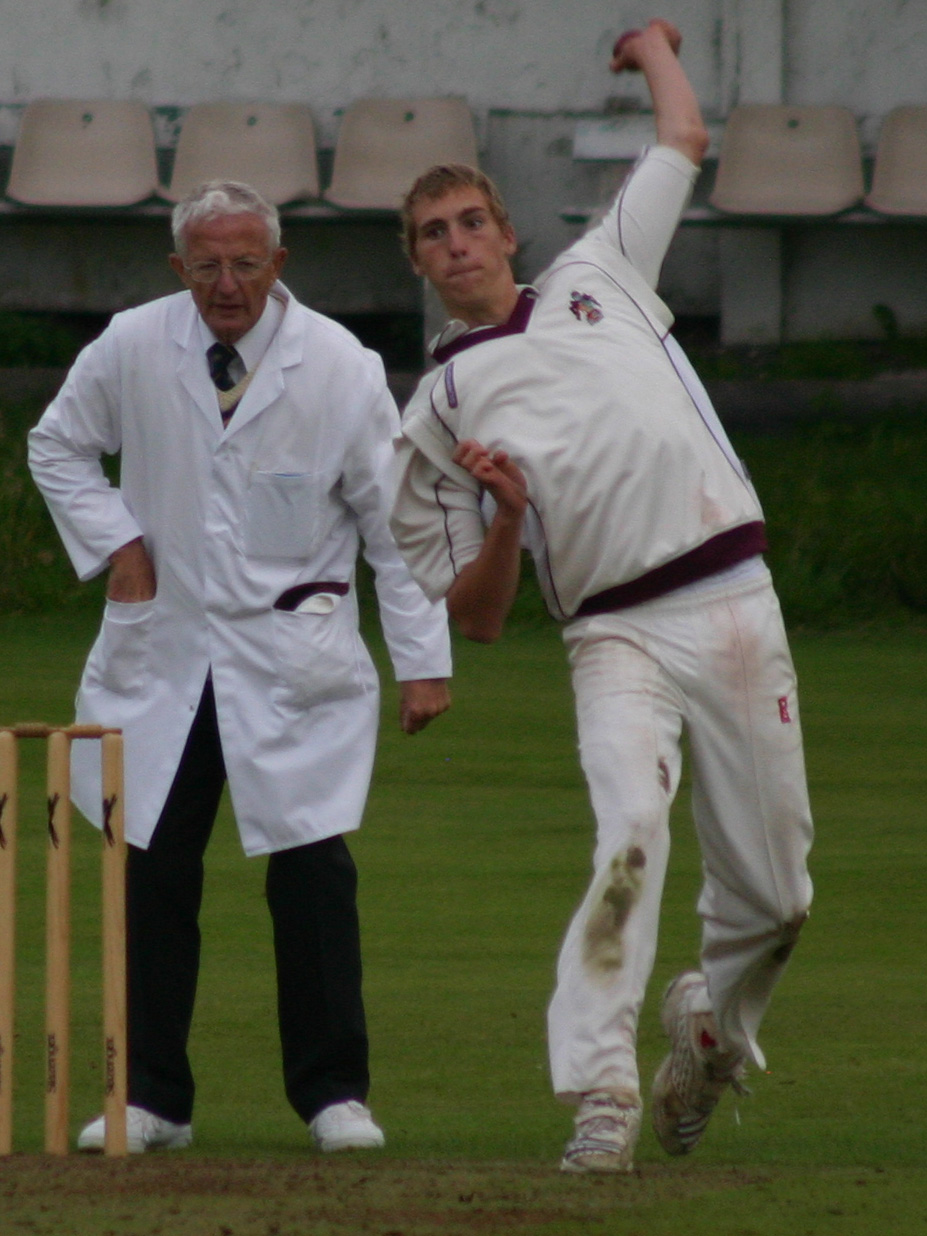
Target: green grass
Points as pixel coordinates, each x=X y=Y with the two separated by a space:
x=474 y=852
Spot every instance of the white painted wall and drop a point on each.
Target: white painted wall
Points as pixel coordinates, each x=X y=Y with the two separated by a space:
x=547 y=55
x=869 y=55
x=533 y=54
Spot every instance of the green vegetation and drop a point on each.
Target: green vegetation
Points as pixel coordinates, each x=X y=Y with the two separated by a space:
x=43 y=339
x=846 y=518
x=36 y=573
x=474 y=852
x=818 y=359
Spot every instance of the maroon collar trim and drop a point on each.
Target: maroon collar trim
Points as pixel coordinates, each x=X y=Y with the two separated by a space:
x=517 y=324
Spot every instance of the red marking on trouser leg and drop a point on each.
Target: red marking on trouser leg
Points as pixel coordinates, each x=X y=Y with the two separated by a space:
x=784 y=714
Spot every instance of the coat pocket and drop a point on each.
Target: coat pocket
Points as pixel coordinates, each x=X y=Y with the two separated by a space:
x=320 y=655
x=281 y=514
x=118 y=661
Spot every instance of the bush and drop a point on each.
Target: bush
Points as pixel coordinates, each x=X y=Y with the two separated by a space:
x=36 y=573
x=846 y=518
x=42 y=339
x=821 y=359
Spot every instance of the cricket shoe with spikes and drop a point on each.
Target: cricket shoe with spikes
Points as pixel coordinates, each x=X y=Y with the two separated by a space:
x=695 y=1074
x=607 y=1128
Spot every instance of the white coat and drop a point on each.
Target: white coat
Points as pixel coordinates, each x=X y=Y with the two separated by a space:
x=232 y=518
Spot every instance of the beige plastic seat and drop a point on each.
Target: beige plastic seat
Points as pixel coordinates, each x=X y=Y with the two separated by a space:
x=781 y=160
x=899 y=181
x=383 y=144
x=84 y=152
x=270 y=146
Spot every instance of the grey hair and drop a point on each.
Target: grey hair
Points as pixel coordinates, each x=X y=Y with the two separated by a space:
x=216 y=198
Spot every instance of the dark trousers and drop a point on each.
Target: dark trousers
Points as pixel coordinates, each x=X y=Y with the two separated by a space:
x=311 y=894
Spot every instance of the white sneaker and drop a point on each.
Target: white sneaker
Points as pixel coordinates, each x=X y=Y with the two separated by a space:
x=607 y=1129
x=145 y=1131
x=695 y=1074
x=346 y=1126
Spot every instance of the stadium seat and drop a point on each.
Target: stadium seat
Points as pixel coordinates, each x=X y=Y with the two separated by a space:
x=84 y=152
x=781 y=160
x=899 y=181
x=383 y=144
x=270 y=146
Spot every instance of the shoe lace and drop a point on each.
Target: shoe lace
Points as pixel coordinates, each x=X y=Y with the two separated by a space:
x=603 y=1114
x=143 y=1125
x=612 y=1123
x=739 y=1087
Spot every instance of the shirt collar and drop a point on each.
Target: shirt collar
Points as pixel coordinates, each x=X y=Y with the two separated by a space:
x=252 y=346
x=457 y=336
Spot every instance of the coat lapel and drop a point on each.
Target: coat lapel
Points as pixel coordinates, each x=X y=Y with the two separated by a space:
x=192 y=370
x=285 y=350
x=267 y=385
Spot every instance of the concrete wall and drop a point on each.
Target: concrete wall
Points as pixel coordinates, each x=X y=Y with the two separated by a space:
x=868 y=55
x=531 y=70
x=530 y=54
x=533 y=55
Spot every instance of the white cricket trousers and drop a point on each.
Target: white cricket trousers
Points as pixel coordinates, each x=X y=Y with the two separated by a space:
x=712 y=660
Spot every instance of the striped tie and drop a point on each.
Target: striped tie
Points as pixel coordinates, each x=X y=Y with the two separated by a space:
x=220 y=356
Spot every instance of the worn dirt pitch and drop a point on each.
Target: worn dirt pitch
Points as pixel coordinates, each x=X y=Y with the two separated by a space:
x=164 y=1195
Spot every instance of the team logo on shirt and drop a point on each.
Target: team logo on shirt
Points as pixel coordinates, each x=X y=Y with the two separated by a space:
x=582 y=305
